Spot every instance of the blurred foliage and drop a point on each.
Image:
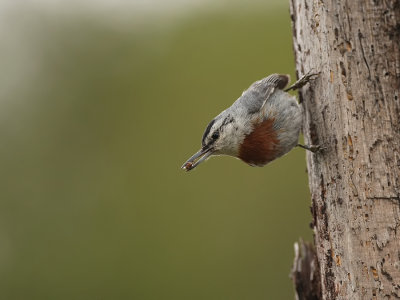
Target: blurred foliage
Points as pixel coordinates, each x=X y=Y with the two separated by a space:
x=94 y=131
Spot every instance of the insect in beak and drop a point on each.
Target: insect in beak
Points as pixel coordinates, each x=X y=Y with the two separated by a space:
x=197 y=158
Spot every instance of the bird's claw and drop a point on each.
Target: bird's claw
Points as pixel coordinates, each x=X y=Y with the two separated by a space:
x=313 y=148
x=302 y=81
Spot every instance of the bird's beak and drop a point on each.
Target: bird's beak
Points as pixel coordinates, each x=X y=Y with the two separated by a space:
x=197 y=158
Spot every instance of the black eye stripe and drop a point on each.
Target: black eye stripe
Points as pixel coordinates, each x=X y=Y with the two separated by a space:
x=207 y=131
x=215 y=135
x=227 y=120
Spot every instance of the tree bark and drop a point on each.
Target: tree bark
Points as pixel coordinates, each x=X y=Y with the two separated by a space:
x=353 y=110
x=305 y=273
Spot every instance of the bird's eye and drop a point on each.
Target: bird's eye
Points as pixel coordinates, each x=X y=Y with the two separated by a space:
x=215 y=135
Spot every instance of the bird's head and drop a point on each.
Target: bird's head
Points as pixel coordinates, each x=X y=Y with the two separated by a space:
x=222 y=136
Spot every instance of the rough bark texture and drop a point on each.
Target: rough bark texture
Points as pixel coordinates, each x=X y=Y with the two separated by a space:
x=353 y=109
x=305 y=273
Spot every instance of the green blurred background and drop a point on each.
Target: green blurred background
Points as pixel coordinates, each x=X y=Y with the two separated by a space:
x=101 y=103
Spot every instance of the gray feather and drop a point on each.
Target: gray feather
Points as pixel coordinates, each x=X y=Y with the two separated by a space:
x=255 y=97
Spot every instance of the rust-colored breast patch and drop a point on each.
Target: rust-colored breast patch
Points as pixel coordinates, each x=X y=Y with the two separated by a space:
x=260 y=146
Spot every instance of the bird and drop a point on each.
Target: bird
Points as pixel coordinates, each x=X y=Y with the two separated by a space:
x=263 y=124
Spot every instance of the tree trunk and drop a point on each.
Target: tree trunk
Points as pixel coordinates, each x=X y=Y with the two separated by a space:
x=353 y=110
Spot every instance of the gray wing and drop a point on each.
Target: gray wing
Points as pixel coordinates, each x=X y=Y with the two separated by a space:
x=254 y=98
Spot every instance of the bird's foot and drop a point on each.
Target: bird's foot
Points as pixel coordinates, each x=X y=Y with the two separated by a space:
x=312 y=148
x=302 y=81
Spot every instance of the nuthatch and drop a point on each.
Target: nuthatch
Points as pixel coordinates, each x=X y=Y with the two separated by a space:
x=261 y=125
